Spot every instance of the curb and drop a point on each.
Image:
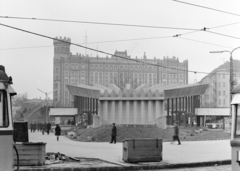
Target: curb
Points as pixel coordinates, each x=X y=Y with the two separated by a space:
x=128 y=168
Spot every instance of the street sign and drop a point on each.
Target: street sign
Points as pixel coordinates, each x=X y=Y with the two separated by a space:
x=57 y=120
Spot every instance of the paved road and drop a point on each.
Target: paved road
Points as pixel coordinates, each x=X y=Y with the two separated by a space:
x=213 y=168
x=188 y=152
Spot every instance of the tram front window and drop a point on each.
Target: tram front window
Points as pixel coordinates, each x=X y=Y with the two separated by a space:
x=4 y=120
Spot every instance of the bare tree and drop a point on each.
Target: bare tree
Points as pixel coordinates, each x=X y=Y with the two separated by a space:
x=20 y=99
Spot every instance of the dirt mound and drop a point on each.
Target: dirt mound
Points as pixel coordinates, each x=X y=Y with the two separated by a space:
x=103 y=134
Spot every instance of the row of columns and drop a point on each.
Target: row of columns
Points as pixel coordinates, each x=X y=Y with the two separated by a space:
x=182 y=105
x=132 y=111
x=86 y=105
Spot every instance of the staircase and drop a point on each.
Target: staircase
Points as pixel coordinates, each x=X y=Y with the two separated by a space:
x=34 y=109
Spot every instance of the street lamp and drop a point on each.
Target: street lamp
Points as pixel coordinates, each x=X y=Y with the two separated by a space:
x=231 y=73
x=46 y=101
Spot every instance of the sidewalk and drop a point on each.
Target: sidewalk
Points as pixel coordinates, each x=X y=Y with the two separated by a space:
x=189 y=154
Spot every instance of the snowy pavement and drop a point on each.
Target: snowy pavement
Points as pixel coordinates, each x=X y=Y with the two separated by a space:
x=188 y=152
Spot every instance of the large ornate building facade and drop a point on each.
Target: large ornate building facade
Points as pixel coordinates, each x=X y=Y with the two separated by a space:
x=83 y=69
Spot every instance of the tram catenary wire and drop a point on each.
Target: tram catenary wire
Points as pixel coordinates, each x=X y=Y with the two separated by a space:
x=130 y=59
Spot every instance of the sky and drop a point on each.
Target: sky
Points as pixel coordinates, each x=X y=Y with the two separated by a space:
x=29 y=58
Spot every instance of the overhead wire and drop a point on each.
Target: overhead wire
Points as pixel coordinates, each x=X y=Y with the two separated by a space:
x=99 y=23
x=226 y=12
x=204 y=42
x=111 y=41
x=146 y=38
x=222 y=34
x=130 y=59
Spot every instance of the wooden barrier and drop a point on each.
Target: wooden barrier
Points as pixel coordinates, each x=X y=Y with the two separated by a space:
x=30 y=154
x=142 y=150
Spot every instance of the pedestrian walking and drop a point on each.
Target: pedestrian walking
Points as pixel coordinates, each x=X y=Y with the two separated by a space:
x=48 y=127
x=57 y=131
x=44 y=127
x=114 y=134
x=176 y=134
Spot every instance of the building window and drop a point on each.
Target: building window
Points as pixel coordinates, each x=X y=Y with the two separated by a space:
x=219 y=84
x=223 y=75
x=66 y=66
x=219 y=93
x=223 y=93
x=219 y=102
x=82 y=74
x=76 y=66
x=164 y=76
x=223 y=84
x=66 y=73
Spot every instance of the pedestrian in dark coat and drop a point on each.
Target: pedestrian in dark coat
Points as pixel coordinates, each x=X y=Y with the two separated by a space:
x=114 y=134
x=48 y=127
x=57 y=131
x=44 y=127
x=176 y=134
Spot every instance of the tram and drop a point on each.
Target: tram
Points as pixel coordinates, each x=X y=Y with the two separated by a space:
x=235 y=129
x=6 y=122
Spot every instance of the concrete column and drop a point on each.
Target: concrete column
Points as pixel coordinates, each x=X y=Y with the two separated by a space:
x=112 y=113
x=127 y=113
x=142 y=112
x=120 y=112
x=176 y=110
x=135 y=112
x=96 y=101
x=172 y=112
x=131 y=111
x=150 y=111
x=168 y=121
x=180 y=109
x=158 y=111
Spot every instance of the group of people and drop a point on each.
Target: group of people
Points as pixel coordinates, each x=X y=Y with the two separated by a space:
x=45 y=127
x=40 y=126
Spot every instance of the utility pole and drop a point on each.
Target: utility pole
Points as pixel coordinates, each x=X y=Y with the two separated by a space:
x=46 y=94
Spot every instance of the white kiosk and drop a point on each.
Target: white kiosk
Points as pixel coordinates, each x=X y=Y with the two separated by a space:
x=235 y=129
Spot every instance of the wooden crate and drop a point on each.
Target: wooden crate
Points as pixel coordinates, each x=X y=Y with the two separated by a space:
x=30 y=154
x=142 y=150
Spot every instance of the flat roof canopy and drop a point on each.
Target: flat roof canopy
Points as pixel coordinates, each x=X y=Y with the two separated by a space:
x=63 y=111
x=185 y=90
x=236 y=99
x=84 y=91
